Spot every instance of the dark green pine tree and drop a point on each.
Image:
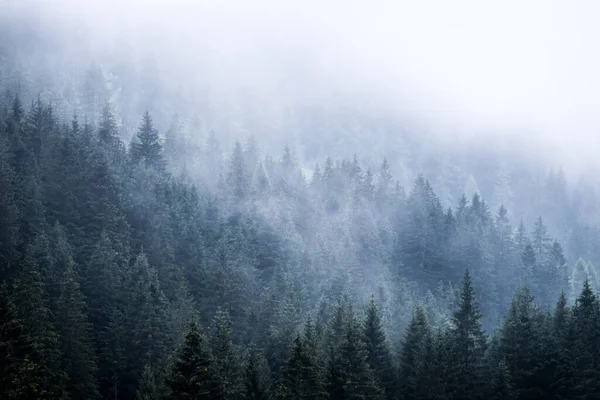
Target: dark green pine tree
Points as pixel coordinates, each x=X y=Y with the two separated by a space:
x=9 y=213
x=469 y=344
x=257 y=380
x=146 y=326
x=147 y=389
x=20 y=375
x=147 y=148
x=300 y=376
x=79 y=361
x=586 y=352
x=103 y=286
x=379 y=354
x=523 y=336
x=358 y=380
x=190 y=376
x=415 y=338
x=563 y=377
x=225 y=364
x=30 y=300
x=108 y=136
x=501 y=387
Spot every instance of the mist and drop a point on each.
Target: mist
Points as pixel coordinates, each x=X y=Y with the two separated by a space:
x=523 y=73
x=298 y=199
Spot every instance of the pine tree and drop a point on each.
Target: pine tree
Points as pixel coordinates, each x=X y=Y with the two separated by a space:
x=469 y=344
x=147 y=325
x=20 y=375
x=79 y=361
x=225 y=364
x=586 y=318
x=237 y=178
x=191 y=374
x=147 y=148
x=30 y=300
x=147 y=389
x=541 y=240
x=501 y=385
x=359 y=381
x=415 y=337
x=300 y=377
x=379 y=355
x=257 y=376
x=520 y=344
x=563 y=377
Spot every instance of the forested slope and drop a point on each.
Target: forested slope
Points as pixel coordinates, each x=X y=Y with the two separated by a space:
x=107 y=257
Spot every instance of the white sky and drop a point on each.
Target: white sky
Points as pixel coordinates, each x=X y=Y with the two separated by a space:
x=472 y=65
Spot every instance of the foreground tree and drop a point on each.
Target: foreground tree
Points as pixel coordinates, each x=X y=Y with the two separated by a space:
x=191 y=374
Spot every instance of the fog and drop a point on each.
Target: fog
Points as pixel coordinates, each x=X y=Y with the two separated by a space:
x=458 y=68
x=265 y=168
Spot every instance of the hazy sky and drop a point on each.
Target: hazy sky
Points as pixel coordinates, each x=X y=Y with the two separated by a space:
x=471 y=66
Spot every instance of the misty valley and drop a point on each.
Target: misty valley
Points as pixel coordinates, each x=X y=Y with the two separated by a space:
x=160 y=243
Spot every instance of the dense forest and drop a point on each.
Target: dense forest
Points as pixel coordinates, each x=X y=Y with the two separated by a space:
x=122 y=280
x=154 y=247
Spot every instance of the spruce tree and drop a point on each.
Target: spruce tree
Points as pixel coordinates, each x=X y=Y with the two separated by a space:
x=147 y=389
x=191 y=375
x=359 y=380
x=379 y=355
x=415 y=337
x=300 y=376
x=586 y=318
x=30 y=300
x=147 y=147
x=469 y=344
x=79 y=361
x=20 y=375
x=225 y=364
x=501 y=385
x=257 y=384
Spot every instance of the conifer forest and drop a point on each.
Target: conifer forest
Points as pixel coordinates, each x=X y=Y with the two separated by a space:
x=171 y=235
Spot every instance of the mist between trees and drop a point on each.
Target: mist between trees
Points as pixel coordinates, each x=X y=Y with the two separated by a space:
x=149 y=249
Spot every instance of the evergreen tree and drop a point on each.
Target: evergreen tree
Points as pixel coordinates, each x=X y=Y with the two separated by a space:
x=520 y=345
x=191 y=374
x=146 y=326
x=379 y=355
x=586 y=313
x=225 y=364
x=79 y=361
x=147 y=389
x=501 y=385
x=19 y=371
x=300 y=378
x=30 y=300
x=257 y=376
x=416 y=335
x=147 y=148
x=469 y=344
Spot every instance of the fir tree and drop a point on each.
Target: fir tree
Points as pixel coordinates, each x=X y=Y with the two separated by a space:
x=19 y=371
x=257 y=376
x=147 y=389
x=469 y=344
x=191 y=374
x=300 y=378
x=147 y=148
x=501 y=385
x=416 y=335
x=225 y=364
x=79 y=361
x=379 y=355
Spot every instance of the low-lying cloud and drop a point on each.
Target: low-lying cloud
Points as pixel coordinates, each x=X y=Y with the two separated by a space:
x=527 y=71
